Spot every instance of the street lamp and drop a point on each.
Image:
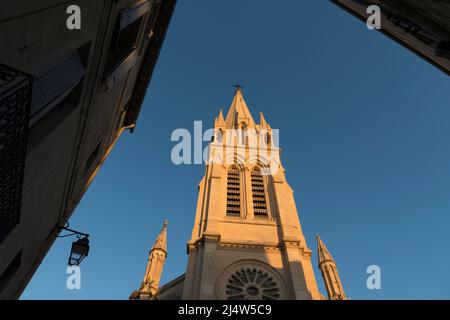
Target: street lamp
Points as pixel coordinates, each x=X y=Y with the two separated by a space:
x=80 y=248
x=79 y=251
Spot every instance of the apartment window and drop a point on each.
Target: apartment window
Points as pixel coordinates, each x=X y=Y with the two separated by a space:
x=123 y=50
x=9 y=272
x=259 y=195
x=56 y=83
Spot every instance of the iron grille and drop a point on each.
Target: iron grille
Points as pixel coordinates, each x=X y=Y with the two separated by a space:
x=15 y=99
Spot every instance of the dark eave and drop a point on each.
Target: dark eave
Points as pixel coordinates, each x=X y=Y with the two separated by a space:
x=148 y=64
x=432 y=16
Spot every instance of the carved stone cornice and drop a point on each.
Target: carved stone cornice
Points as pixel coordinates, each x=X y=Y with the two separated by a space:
x=249 y=247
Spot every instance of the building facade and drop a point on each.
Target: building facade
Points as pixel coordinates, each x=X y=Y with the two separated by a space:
x=66 y=95
x=247 y=242
x=421 y=26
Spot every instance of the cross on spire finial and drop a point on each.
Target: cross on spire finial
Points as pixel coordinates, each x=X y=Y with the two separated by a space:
x=238 y=86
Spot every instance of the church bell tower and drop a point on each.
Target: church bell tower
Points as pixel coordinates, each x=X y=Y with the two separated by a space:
x=247 y=242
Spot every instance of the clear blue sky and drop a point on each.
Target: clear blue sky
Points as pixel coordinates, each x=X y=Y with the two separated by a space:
x=363 y=122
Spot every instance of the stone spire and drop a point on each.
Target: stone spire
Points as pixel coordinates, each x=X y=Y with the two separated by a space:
x=161 y=240
x=239 y=113
x=220 y=121
x=330 y=275
x=262 y=121
x=156 y=259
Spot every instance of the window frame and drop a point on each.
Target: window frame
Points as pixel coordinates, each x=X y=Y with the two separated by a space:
x=114 y=71
x=72 y=61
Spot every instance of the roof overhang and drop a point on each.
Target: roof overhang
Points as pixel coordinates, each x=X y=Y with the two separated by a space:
x=150 y=57
x=421 y=26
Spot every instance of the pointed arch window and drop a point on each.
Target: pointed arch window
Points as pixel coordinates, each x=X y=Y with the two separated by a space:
x=233 y=193
x=243 y=135
x=219 y=136
x=268 y=138
x=259 y=194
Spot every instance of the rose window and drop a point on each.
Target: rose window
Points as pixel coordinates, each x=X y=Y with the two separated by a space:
x=251 y=284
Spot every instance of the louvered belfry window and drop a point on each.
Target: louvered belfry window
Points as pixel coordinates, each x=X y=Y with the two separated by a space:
x=259 y=196
x=233 y=193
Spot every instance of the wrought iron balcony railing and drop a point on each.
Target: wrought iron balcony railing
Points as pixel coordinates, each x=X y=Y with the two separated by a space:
x=15 y=99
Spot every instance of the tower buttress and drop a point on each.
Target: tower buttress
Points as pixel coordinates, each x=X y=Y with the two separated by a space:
x=330 y=275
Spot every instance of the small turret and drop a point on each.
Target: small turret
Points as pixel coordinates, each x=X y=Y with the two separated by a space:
x=156 y=259
x=330 y=275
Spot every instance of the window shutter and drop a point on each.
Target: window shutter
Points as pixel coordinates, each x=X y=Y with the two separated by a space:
x=233 y=193
x=259 y=196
